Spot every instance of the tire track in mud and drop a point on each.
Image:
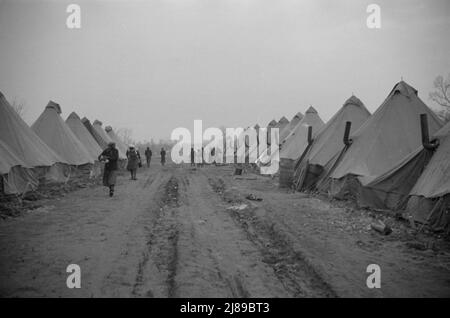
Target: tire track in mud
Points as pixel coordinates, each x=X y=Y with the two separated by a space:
x=194 y=254
x=215 y=280
x=217 y=260
x=293 y=270
x=125 y=272
x=171 y=201
x=158 y=265
x=139 y=288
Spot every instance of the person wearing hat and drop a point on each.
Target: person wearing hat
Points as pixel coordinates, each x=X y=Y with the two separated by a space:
x=133 y=161
x=109 y=156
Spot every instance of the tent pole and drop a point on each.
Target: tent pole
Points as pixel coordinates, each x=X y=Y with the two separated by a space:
x=348 y=126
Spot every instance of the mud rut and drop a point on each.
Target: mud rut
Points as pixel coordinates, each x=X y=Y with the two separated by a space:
x=197 y=247
x=161 y=251
x=169 y=234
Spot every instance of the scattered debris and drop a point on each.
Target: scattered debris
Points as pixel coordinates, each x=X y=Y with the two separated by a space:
x=381 y=228
x=232 y=195
x=238 y=207
x=253 y=197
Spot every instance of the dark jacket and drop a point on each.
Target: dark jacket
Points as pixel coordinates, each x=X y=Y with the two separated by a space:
x=112 y=154
x=148 y=153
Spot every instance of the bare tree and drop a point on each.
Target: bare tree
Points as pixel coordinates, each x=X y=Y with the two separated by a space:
x=441 y=96
x=126 y=135
x=19 y=106
x=444 y=114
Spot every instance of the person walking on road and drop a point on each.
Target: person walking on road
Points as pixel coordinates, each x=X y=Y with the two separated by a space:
x=133 y=161
x=148 y=156
x=109 y=156
x=203 y=157
x=139 y=157
x=163 y=156
x=192 y=157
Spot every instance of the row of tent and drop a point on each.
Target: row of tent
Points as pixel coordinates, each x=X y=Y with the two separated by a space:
x=50 y=148
x=397 y=158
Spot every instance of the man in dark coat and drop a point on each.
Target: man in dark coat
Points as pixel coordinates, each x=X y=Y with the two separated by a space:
x=192 y=156
x=163 y=156
x=213 y=155
x=148 y=156
x=139 y=157
x=203 y=157
x=110 y=156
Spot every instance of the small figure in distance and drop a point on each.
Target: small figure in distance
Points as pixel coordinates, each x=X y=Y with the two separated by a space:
x=163 y=156
x=148 y=156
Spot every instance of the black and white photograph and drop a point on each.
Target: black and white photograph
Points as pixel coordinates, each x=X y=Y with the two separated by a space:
x=226 y=153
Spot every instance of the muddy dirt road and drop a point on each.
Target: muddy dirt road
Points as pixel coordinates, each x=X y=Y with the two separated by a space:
x=183 y=232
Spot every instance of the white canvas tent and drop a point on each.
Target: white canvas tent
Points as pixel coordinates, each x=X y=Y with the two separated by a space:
x=296 y=142
x=289 y=127
x=52 y=129
x=391 y=134
x=282 y=123
x=242 y=146
x=97 y=125
x=15 y=177
x=119 y=143
x=98 y=128
x=429 y=200
x=81 y=132
x=272 y=123
x=254 y=152
x=103 y=143
x=23 y=140
x=24 y=144
x=328 y=142
x=8 y=159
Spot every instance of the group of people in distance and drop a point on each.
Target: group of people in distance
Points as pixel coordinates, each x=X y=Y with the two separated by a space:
x=110 y=157
x=200 y=153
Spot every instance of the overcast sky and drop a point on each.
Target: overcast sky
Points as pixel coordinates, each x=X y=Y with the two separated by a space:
x=156 y=65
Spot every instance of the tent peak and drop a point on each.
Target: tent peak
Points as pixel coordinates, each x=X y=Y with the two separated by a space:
x=311 y=110
x=52 y=105
x=74 y=115
x=97 y=122
x=353 y=100
x=283 y=120
x=273 y=122
x=298 y=115
x=404 y=89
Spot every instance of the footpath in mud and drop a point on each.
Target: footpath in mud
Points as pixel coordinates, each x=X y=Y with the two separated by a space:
x=191 y=232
